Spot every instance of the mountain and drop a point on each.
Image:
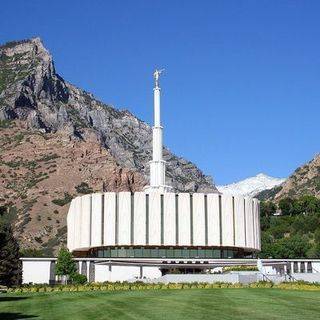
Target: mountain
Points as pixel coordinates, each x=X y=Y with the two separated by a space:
x=251 y=186
x=57 y=141
x=305 y=180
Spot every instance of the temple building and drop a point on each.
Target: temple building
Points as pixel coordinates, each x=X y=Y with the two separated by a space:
x=148 y=233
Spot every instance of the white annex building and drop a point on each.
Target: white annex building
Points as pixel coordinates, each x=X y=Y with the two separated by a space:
x=123 y=236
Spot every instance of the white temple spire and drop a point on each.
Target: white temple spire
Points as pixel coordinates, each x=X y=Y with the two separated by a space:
x=157 y=165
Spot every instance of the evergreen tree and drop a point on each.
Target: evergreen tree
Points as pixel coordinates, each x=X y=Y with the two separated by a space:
x=10 y=264
x=65 y=266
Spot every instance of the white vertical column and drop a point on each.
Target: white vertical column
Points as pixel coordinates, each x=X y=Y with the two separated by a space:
x=154 y=219
x=78 y=222
x=184 y=219
x=96 y=219
x=227 y=220
x=157 y=129
x=249 y=222
x=70 y=227
x=198 y=219
x=256 y=224
x=124 y=218
x=156 y=103
x=85 y=221
x=169 y=219
x=213 y=220
x=139 y=218
x=239 y=216
x=157 y=165
x=258 y=231
x=109 y=218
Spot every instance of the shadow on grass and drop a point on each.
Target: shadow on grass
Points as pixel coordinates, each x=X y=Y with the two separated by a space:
x=15 y=315
x=3 y=299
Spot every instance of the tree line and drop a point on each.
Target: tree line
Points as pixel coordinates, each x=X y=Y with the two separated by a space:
x=290 y=228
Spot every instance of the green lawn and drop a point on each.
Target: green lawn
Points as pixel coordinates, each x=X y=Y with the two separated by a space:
x=164 y=304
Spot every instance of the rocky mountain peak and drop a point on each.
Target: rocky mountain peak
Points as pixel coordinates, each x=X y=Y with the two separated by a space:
x=32 y=91
x=28 y=82
x=32 y=47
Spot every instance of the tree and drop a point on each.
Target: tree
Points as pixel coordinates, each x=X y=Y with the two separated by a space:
x=34 y=253
x=10 y=264
x=293 y=247
x=267 y=208
x=65 y=266
x=310 y=204
x=286 y=206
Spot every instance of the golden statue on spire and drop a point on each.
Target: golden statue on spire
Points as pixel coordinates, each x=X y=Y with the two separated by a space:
x=156 y=76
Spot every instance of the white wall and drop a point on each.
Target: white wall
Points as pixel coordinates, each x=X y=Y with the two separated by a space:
x=36 y=271
x=124 y=273
x=151 y=272
x=102 y=273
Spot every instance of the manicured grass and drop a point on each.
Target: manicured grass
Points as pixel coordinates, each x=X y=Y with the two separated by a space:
x=244 y=303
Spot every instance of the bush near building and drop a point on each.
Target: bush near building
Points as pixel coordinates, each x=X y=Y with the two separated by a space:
x=136 y=286
x=66 y=268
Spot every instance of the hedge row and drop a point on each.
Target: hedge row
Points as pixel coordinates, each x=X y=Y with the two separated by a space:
x=126 y=286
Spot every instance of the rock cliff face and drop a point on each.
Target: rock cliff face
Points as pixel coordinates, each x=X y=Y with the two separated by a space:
x=304 y=181
x=46 y=121
x=32 y=91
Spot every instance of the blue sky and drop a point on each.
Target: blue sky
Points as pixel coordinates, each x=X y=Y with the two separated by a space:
x=241 y=92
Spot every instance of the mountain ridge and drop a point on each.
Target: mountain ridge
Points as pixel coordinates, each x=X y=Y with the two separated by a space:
x=305 y=180
x=251 y=186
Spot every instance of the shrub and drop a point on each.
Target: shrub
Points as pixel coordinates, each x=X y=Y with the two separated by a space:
x=240 y=268
x=49 y=157
x=127 y=286
x=61 y=202
x=4 y=123
x=84 y=188
x=78 y=278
